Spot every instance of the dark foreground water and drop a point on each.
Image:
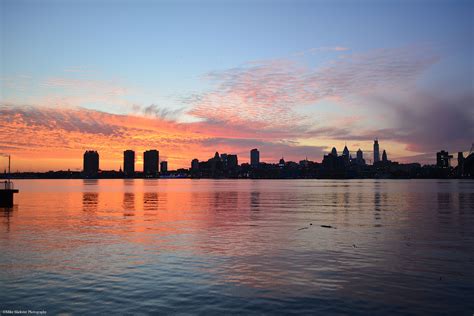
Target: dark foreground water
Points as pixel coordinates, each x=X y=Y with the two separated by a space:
x=242 y=247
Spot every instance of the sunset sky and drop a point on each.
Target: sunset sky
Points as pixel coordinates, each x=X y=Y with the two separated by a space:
x=292 y=78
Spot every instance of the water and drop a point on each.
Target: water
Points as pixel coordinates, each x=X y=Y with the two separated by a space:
x=239 y=246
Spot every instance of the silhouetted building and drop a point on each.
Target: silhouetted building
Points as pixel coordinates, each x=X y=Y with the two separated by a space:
x=345 y=152
x=164 y=167
x=91 y=164
x=334 y=165
x=150 y=163
x=345 y=155
x=254 y=157
x=231 y=162
x=443 y=159
x=360 y=158
x=195 y=165
x=281 y=163
x=224 y=160
x=460 y=167
x=460 y=158
x=384 y=156
x=304 y=163
x=376 y=151
x=468 y=166
x=129 y=163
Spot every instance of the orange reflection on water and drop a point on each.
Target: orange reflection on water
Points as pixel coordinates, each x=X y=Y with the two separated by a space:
x=252 y=233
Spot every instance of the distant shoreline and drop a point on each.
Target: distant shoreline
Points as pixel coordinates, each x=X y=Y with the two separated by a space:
x=190 y=178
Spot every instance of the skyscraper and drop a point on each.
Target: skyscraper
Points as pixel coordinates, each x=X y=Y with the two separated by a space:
x=224 y=160
x=443 y=159
x=195 y=165
x=91 y=164
x=376 y=151
x=232 y=161
x=254 y=157
x=129 y=163
x=345 y=152
x=360 y=157
x=150 y=163
x=164 y=167
x=460 y=163
x=384 y=156
x=345 y=155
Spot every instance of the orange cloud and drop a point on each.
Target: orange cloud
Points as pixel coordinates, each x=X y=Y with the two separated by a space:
x=44 y=138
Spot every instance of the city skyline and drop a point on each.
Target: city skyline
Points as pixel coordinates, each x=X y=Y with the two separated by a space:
x=191 y=78
x=227 y=166
x=131 y=163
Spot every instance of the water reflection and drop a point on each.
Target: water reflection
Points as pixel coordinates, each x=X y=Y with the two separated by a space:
x=237 y=245
x=466 y=201
x=255 y=201
x=128 y=203
x=90 y=201
x=150 y=201
x=90 y=182
x=444 y=201
x=6 y=213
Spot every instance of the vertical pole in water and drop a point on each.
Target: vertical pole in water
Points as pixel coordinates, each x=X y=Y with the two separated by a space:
x=9 y=172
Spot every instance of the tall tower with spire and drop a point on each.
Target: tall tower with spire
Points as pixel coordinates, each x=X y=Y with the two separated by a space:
x=345 y=155
x=384 y=156
x=376 y=151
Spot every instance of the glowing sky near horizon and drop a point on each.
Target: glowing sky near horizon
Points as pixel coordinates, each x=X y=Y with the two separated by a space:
x=292 y=78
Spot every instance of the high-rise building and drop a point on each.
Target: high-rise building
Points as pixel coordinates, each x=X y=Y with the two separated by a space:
x=376 y=151
x=91 y=164
x=345 y=152
x=360 y=157
x=150 y=163
x=345 y=155
x=281 y=163
x=461 y=163
x=232 y=161
x=129 y=163
x=254 y=157
x=443 y=159
x=334 y=152
x=224 y=160
x=384 y=156
x=164 y=167
x=195 y=165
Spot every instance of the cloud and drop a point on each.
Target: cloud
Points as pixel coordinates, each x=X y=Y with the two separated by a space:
x=260 y=104
x=269 y=95
x=66 y=132
x=73 y=120
x=315 y=50
x=64 y=91
x=154 y=110
x=431 y=122
x=60 y=135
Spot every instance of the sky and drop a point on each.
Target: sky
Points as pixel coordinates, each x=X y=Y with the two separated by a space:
x=189 y=78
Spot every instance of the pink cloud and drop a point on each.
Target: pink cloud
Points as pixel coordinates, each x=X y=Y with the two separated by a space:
x=268 y=95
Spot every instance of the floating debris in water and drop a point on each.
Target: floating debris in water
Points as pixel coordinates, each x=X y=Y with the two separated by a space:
x=328 y=226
